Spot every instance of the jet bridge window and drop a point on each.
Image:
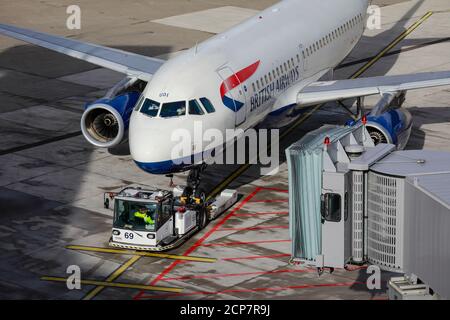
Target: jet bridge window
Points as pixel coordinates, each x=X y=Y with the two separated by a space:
x=331 y=207
x=173 y=109
x=194 y=108
x=150 y=107
x=208 y=105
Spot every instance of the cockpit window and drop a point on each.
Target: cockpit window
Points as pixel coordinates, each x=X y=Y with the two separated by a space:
x=194 y=108
x=173 y=109
x=208 y=105
x=150 y=108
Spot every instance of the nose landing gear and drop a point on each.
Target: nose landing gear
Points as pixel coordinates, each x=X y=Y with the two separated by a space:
x=194 y=179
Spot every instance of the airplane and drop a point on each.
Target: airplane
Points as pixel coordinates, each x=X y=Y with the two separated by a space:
x=266 y=69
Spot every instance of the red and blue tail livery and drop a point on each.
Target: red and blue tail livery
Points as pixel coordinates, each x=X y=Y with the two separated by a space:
x=232 y=82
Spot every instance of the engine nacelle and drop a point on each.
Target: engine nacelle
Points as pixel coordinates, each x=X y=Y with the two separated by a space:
x=105 y=121
x=393 y=126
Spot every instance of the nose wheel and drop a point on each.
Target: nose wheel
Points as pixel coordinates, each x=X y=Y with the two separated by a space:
x=194 y=179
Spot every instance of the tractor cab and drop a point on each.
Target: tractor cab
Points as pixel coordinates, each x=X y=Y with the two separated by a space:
x=142 y=214
x=142 y=217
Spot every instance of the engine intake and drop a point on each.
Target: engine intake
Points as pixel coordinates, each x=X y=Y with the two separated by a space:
x=102 y=126
x=105 y=122
x=393 y=126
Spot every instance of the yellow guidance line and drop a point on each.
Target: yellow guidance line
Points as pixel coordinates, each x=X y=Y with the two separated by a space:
x=117 y=273
x=117 y=285
x=142 y=253
x=396 y=41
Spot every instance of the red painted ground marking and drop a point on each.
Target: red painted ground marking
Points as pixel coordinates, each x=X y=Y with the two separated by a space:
x=260 y=213
x=199 y=242
x=239 y=243
x=269 y=201
x=242 y=274
x=278 y=255
x=254 y=228
x=304 y=286
x=354 y=268
x=275 y=189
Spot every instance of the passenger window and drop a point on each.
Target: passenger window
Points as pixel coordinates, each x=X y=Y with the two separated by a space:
x=173 y=109
x=194 y=108
x=208 y=105
x=257 y=84
x=253 y=85
x=150 y=108
x=274 y=75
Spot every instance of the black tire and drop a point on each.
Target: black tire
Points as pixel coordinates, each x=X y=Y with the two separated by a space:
x=202 y=218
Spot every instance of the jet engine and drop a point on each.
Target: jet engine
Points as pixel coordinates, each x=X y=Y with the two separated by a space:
x=388 y=122
x=105 y=121
x=393 y=126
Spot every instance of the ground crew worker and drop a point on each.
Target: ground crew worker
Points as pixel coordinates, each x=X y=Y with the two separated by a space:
x=142 y=213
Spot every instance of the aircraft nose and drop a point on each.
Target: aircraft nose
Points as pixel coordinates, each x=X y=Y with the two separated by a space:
x=143 y=140
x=150 y=145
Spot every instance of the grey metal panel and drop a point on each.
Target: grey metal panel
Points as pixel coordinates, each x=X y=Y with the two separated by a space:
x=427 y=238
x=414 y=162
x=436 y=185
x=370 y=156
x=114 y=59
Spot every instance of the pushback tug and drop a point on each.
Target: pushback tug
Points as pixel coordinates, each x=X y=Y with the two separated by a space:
x=159 y=220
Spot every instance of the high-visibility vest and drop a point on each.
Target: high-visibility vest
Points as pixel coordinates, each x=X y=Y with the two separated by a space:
x=146 y=218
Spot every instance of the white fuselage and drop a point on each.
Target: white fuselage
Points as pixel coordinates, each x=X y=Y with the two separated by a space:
x=245 y=72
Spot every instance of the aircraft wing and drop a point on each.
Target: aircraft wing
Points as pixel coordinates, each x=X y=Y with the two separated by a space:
x=325 y=91
x=128 y=63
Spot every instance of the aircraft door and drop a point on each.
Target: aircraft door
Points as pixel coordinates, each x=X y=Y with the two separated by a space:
x=303 y=56
x=232 y=94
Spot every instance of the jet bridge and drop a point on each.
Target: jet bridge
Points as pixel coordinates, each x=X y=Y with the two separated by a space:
x=351 y=202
